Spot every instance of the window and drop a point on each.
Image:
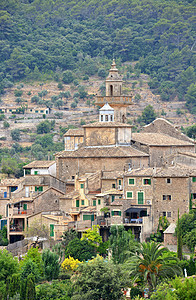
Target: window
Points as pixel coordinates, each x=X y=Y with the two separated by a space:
x=164 y=213
x=77 y=203
x=72 y=177
x=129 y=194
x=147 y=181
x=169 y=214
x=167 y=197
x=82 y=202
x=25 y=206
x=113 y=185
x=119 y=182
x=193 y=179
x=94 y=203
x=36 y=111
x=102 y=118
x=82 y=185
x=168 y=180
x=41 y=111
x=140 y=197
x=116 y=213
x=131 y=181
x=106 y=118
x=111 y=118
x=99 y=201
x=113 y=198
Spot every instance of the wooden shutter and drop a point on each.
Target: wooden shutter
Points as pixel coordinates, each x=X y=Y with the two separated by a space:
x=140 y=198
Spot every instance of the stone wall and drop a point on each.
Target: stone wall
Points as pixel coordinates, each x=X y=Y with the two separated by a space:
x=47 y=201
x=179 y=191
x=68 y=167
x=169 y=239
x=158 y=153
x=101 y=136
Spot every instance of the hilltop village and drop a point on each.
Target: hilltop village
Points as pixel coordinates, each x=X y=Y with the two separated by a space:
x=106 y=175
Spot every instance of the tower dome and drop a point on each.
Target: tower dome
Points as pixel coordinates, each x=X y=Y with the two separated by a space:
x=106 y=113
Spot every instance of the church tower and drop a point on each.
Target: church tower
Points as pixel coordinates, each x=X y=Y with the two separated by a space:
x=114 y=95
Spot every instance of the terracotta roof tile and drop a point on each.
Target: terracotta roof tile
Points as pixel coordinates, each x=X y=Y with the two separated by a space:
x=75 y=132
x=39 y=164
x=119 y=151
x=11 y=181
x=158 y=139
x=175 y=171
x=107 y=124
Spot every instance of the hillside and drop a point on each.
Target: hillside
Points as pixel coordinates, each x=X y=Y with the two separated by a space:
x=42 y=39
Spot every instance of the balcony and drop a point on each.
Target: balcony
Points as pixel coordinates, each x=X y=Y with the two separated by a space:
x=22 y=212
x=101 y=221
x=133 y=221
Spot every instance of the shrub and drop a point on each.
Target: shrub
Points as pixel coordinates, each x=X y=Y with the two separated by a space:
x=70 y=264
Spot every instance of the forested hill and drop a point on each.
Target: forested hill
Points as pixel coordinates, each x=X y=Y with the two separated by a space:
x=49 y=37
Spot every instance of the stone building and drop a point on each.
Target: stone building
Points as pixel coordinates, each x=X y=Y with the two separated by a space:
x=106 y=146
x=114 y=95
x=159 y=146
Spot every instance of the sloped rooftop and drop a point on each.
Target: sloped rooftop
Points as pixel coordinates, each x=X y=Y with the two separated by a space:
x=39 y=164
x=119 y=151
x=107 y=124
x=175 y=171
x=158 y=139
x=75 y=132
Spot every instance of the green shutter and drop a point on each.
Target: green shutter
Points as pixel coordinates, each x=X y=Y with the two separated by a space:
x=82 y=202
x=25 y=206
x=92 y=218
x=194 y=179
x=94 y=203
x=35 y=172
x=99 y=201
x=131 y=180
x=77 y=203
x=82 y=185
x=191 y=202
x=119 y=182
x=112 y=213
x=86 y=217
x=113 y=198
x=119 y=213
x=149 y=181
x=36 y=188
x=41 y=188
x=129 y=194
x=140 y=198
x=51 y=229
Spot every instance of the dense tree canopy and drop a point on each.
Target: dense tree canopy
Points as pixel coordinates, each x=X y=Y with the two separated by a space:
x=66 y=39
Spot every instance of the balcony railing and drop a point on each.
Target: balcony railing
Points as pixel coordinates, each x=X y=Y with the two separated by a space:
x=133 y=221
x=114 y=99
x=24 y=212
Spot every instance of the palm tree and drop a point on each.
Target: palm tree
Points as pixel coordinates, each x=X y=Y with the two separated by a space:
x=148 y=263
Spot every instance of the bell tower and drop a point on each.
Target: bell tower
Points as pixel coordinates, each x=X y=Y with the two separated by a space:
x=114 y=96
x=113 y=82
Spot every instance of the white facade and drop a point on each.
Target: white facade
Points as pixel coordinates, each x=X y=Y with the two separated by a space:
x=44 y=171
x=106 y=113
